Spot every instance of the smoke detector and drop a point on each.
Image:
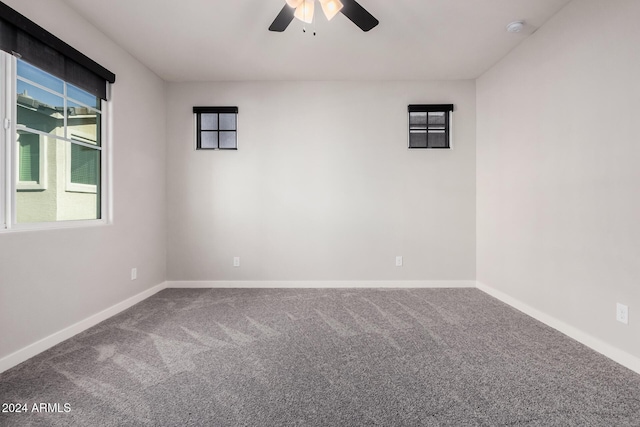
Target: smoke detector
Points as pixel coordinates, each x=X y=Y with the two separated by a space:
x=515 y=26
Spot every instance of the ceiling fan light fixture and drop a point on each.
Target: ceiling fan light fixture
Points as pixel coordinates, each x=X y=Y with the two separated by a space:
x=331 y=8
x=294 y=3
x=304 y=11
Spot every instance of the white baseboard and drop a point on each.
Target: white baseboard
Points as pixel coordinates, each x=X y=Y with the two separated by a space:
x=323 y=284
x=613 y=353
x=37 y=347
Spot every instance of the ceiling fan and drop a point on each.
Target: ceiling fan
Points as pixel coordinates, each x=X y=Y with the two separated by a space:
x=303 y=10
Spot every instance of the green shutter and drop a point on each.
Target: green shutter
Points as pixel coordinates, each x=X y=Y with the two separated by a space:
x=84 y=165
x=29 y=158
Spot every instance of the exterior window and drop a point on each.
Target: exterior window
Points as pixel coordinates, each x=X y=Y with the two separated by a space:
x=32 y=153
x=58 y=149
x=53 y=161
x=216 y=128
x=430 y=126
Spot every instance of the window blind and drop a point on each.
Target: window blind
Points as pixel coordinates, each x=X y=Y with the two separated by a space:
x=430 y=108
x=29 y=159
x=37 y=46
x=84 y=165
x=221 y=110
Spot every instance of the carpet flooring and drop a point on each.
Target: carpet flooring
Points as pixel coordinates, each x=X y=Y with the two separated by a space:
x=321 y=357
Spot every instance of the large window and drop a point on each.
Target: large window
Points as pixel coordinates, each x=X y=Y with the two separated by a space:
x=52 y=150
x=58 y=149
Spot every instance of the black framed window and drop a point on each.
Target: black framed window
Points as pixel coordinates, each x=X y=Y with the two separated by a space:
x=216 y=128
x=430 y=125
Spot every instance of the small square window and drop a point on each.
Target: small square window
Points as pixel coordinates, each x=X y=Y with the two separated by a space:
x=429 y=126
x=216 y=128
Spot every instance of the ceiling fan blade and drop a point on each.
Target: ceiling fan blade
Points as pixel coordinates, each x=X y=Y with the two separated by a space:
x=283 y=19
x=358 y=15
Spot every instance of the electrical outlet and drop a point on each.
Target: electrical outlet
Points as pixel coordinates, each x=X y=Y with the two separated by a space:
x=399 y=261
x=236 y=261
x=134 y=273
x=622 y=313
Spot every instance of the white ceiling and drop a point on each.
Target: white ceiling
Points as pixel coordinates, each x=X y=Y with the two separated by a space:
x=223 y=40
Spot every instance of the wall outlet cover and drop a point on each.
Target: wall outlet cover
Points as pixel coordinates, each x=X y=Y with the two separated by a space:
x=399 y=261
x=622 y=313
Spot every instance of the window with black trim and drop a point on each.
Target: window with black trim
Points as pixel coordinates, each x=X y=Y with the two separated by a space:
x=216 y=128
x=430 y=125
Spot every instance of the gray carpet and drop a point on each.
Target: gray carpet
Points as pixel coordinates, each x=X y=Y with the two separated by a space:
x=276 y=357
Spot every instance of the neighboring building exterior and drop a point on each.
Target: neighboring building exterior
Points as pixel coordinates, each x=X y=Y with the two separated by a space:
x=57 y=179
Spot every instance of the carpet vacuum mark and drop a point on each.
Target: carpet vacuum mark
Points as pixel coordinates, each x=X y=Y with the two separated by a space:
x=321 y=357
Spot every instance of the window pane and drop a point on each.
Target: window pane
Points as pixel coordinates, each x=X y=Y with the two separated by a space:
x=209 y=139
x=83 y=124
x=73 y=195
x=83 y=97
x=79 y=197
x=40 y=77
x=209 y=121
x=437 y=118
x=28 y=157
x=85 y=164
x=438 y=140
x=418 y=139
x=227 y=121
x=227 y=140
x=39 y=109
x=72 y=191
x=418 y=120
x=429 y=129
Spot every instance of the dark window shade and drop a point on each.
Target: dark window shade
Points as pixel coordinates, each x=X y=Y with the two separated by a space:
x=215 y=110
x=42 y=49
x=430 y=108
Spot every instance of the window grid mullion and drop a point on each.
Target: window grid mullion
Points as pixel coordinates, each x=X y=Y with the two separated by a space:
x=82 y=104
x=39 y=132
x=39 y=86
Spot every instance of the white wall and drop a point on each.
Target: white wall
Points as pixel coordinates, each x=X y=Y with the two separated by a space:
x=558 y=179
x=50 y=280
x=322 y=186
